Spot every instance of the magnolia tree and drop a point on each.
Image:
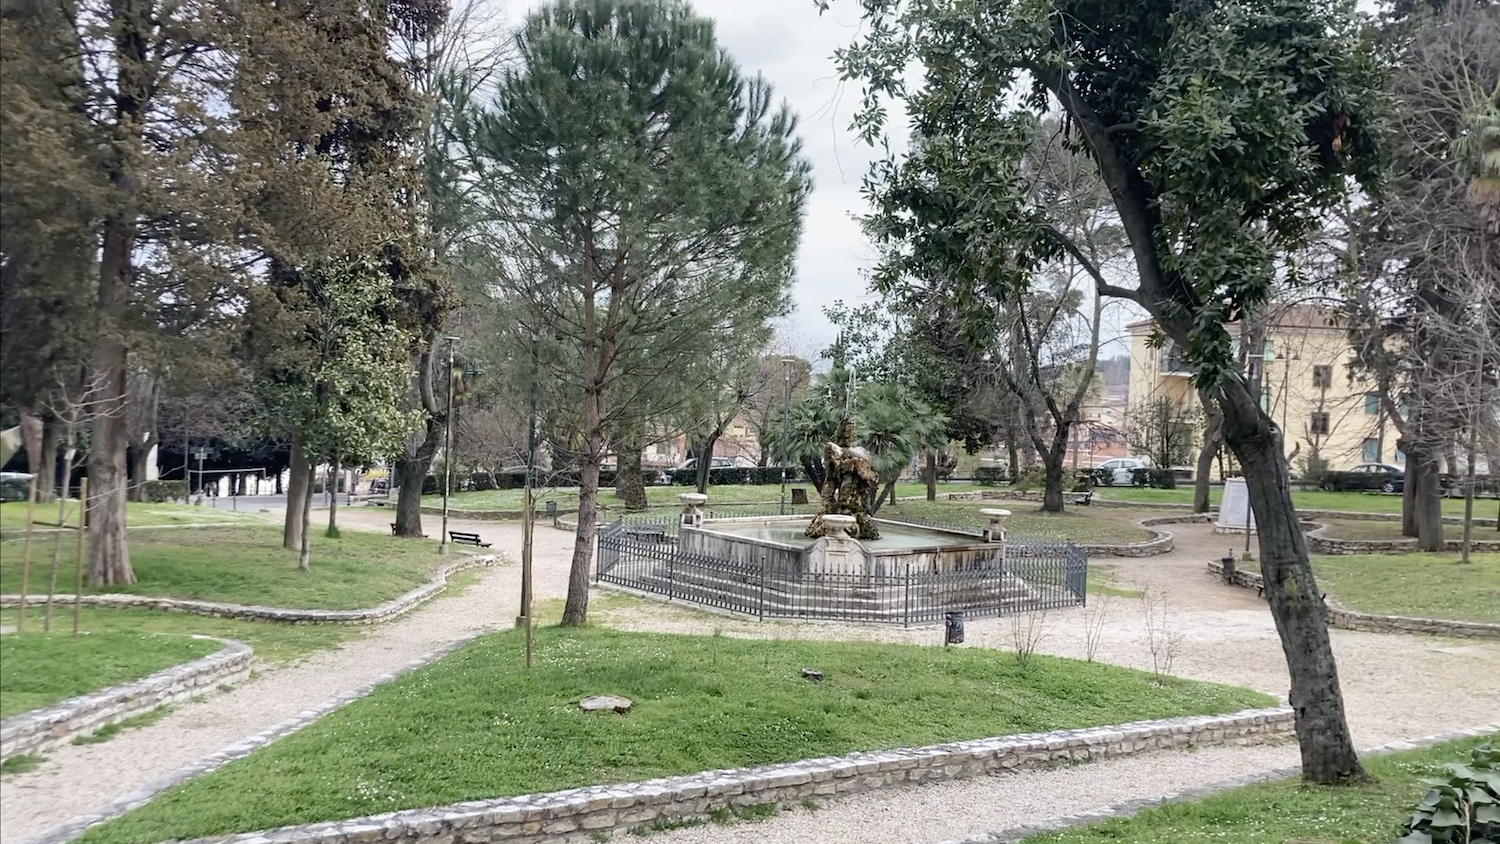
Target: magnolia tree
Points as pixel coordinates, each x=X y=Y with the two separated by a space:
x=1221 y=132
x=644 y=201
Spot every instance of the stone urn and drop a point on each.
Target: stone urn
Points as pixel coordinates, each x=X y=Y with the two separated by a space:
x=692 y=508
x=994 y=531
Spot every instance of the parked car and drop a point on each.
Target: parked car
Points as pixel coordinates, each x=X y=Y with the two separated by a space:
x=1121 y=468
x=665 y=477
x=1368 y=476
x=380 y=486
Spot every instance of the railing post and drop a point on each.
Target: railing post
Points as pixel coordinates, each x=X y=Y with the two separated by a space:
x=906 y=599
x=763 y=588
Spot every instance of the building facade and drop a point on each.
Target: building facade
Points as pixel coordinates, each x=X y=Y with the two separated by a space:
x=1307 y=386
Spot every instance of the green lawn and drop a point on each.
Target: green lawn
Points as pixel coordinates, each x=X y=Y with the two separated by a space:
x=477 y=725
x=1425 y=585
x=1306 y=499
x=137 y=514
x=273 y=643
x=39 y=669
x=247 y=565
x=567 y=497
x=1286 y=811
x=1369 y=530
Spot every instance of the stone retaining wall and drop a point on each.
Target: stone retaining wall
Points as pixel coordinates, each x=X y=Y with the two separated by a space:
x=284 y=615
x=1318 y=543
x=43 y=729
x=592 y=814
x=1344 y=618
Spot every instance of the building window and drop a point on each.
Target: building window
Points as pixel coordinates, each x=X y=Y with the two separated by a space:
x=1322 y=376
x=1372 y=404
x=1369 y=450
x=1319 y=423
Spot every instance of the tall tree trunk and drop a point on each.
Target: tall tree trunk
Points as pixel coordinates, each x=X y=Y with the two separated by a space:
x=1013 y=450
x=1427 y=501
x=630 y=483
x=576 y=608
x=109 y=555
x=1327 y=749
x=304 y=538
x=1054 y=467
x=46 y=479
x=1408 y=490
x=706 y=458
x=32 y=435
x=333 y=499
x=1213 y=440
x=931 y=474
x=140 y=462
x=411 y=470
x=297 y=496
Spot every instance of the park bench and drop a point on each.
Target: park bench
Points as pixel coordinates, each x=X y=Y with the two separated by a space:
x=1081 y=498
x=458 y=537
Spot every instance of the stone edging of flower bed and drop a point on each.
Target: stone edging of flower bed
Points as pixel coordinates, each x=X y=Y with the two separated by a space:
x=1015 y=835
x=589 y=814
x=43 y=729
x=1345 y=618
x=285 y=615
x=1318 y=543
x=135 y=799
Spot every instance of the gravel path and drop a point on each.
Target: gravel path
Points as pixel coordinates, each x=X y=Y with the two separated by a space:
x=1395 y=687
x=75 y=779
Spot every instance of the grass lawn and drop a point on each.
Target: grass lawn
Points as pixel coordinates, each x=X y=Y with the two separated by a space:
x=39 y=669
x=1306 y=499
x=273 y=643
x=1425 y=585
x=1366 y=530
x=247 y=565
x=1080 y=524
x=137 y=514
x=567 y=497
x=477 y=725
x=1286 y=811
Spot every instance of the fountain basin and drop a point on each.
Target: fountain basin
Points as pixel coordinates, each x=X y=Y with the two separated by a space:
x=780 y=545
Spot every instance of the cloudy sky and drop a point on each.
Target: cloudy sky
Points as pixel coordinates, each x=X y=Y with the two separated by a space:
x=792 y=45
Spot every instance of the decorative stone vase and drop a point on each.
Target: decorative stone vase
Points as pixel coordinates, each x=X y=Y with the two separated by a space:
x=995 y=530
x=692 y=508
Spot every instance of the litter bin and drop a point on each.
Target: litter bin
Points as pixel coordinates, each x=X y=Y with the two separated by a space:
x=1227 y=570
x=953 y=632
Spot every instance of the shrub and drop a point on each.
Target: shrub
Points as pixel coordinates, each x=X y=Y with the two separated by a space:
x=160 y=492
x=1103 y=477
x=1154 y=478
x=481 y=481
x=990 y=476
x=1463 y=806
x=1030 y=478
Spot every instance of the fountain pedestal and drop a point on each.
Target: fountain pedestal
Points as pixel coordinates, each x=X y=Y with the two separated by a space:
x=836 y=552
x=692 y=508
x=995 y=530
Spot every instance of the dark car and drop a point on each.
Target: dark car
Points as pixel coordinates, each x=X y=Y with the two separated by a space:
x=1368 y=476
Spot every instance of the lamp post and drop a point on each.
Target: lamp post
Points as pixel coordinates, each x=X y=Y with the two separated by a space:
x=447 y=449
x=786 y=424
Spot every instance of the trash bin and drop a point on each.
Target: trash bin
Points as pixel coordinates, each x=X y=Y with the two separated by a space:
x=953 y=632
x=1227 y=569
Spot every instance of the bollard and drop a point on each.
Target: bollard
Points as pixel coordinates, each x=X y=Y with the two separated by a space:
x=953 y=632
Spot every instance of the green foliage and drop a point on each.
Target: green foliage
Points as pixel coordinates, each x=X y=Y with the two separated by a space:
x=991 y=476
x=1031 y=477
x=21 y=763
x=491 y=728
x=160 y=492
x=1461 y=807
x=890 y=423
x=40 y=669
x=109 y=731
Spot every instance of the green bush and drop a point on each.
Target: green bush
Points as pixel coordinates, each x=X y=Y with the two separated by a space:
x=1153 y=478
x=160 y=492
x=1030 y=478
x=1462 y=807
x=991 y=476
x=1103 y=477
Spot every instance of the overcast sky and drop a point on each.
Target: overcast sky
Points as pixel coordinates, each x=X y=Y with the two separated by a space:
x=792 y=45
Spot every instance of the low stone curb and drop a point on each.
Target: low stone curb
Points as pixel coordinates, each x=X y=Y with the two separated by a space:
x=143 y=794
x=589 y=814
x=283 y=615
x=19 y=534
x=1319 y=543
x=1018 y=834
x=1344 y=618
x=43 y=729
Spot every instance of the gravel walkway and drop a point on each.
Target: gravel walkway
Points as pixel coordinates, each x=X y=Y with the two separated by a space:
x=75 y=779
x=1396 y=687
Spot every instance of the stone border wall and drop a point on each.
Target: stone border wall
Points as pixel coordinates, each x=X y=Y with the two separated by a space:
x=1345 y=618
x=1318 y=543
x=283 y=615
x=135 y=799
x=590 y=814
x=1016 y=835
x=44 y=729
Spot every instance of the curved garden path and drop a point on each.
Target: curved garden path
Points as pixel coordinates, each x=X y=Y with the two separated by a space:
x=1396 y=687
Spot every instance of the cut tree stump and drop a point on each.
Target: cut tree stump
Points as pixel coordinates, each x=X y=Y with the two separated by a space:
x=810 y=674
x=606 y=703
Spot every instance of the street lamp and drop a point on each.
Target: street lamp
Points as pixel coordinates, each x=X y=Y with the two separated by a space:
x=447 y=449
x=786 y=422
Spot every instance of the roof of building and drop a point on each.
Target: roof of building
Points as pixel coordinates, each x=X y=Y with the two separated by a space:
x=1283 y=315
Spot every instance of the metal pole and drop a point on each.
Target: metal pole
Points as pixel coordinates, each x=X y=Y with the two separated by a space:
x=447 y=450
x=786 y=422
x=83 y=520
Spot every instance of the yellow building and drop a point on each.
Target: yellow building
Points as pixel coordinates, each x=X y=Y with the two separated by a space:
x=1308 y=389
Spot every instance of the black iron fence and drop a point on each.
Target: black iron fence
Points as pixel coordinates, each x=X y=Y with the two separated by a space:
x=643 y=554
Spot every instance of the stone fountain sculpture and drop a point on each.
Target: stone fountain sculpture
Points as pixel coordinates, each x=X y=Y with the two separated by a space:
x=849 y=484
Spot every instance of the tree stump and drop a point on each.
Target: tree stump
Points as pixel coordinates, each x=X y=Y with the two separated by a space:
x=606 y=703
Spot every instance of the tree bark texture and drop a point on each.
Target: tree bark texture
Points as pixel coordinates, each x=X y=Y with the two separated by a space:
x=412 y=471
x=930 y=472
x=46 y=479
x=32 y=428
x=304 y=540
x=333 y=496
x=1327 y=749
x=1427 y=500
x=705 y=454
x=1054 y=469
x=1213 y=440
x=576 y=608
x=630 y=483
x=297 y=488
x=109 y=554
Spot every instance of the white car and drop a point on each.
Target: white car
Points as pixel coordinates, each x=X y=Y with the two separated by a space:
x=1121 y=469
